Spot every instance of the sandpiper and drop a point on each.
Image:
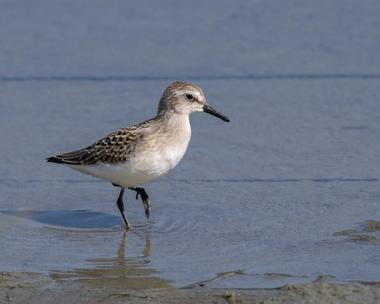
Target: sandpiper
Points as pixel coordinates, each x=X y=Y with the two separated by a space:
x=141 y=153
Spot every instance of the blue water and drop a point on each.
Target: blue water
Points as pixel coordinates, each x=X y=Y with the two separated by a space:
x=260 y=198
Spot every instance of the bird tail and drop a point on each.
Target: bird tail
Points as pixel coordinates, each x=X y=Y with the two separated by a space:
x=55 y=160
x=78 y=157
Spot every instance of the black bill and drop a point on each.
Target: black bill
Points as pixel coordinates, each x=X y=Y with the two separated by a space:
x=210 y=110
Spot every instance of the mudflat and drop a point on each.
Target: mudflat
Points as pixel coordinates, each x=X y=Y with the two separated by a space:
x=35 y=288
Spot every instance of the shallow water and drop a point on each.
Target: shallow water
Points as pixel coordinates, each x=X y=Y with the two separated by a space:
x=282 y=194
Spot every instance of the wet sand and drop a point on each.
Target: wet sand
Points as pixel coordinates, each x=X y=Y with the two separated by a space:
x=37 y=289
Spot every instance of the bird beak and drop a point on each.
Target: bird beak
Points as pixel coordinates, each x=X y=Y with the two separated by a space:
x=210 y=110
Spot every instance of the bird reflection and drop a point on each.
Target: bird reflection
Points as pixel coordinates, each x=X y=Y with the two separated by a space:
x=119 y=271
x=121 y=260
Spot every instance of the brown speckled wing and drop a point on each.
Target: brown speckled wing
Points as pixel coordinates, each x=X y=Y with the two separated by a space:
x=117 y=147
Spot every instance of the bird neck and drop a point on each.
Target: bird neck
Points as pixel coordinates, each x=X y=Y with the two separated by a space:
x=173 y=121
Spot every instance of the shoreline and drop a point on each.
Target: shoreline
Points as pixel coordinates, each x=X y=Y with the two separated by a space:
x=36 y=288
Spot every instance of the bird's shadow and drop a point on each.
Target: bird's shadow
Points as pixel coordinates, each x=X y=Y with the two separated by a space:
x=74 y=219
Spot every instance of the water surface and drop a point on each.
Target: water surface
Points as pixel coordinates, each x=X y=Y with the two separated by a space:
x=282 y=194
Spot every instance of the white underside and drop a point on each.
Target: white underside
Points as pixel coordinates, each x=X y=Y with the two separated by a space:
x=125 y=174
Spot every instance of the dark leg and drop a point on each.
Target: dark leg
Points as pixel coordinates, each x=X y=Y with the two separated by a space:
x=120 y=205
x=145 y=199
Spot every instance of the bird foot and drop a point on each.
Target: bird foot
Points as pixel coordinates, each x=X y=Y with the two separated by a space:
x=145 y=200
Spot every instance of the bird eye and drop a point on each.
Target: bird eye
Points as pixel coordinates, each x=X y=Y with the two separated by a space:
x=189 y=96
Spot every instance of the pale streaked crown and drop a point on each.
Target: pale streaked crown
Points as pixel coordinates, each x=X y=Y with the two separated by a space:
x=182 y=97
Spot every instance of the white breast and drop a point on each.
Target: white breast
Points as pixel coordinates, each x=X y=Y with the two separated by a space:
x=172 y=154
x=169 y=150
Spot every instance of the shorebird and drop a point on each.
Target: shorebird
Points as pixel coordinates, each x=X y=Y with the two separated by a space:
x=141 y=153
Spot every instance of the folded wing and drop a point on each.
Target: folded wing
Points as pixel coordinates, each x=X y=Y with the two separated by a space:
x=117 y=147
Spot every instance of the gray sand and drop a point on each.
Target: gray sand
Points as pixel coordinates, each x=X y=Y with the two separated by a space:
x=35 y=289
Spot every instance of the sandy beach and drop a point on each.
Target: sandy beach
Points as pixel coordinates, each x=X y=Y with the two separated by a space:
x=38 y=289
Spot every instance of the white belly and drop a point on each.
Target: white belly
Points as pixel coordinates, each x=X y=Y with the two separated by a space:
x=123 y=174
